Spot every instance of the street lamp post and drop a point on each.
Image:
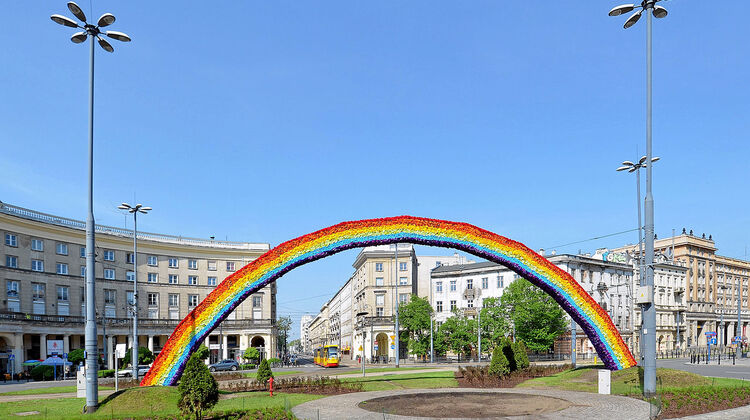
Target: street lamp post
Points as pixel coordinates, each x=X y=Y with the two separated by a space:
x=361 y=316
x=649 y=309
x=92 y=353
x=138 y=208
x=432 y=347
x=398 y=338
x=738 y=293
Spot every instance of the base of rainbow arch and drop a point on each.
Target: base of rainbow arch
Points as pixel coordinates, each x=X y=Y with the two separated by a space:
x=269 y=267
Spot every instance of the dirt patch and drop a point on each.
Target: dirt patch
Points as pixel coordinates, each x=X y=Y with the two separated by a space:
x=479 y=377
x=465 y=404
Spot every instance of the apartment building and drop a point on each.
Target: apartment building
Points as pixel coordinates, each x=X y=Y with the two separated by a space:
x=42 y=259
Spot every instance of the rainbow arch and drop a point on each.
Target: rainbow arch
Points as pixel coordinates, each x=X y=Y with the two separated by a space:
x=195 y=327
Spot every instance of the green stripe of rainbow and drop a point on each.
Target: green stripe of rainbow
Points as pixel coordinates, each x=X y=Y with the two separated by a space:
x=192 y=330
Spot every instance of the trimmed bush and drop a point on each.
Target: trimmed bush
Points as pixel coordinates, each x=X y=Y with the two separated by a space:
x=42 y=373
x=252 y=354
x=520 y=354
x=105 y=373
x=508 y=348
x=202 y=352
x=76 y=356
x=199 y=391
x=145 y=357
x=247 y=366
x=264 y=372
x=499 y=364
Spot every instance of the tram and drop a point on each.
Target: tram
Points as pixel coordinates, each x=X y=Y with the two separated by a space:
x=327 y=356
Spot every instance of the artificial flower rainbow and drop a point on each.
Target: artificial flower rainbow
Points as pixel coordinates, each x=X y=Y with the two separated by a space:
x=193 y=330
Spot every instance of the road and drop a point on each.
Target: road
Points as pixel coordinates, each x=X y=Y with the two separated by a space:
x=741 y=370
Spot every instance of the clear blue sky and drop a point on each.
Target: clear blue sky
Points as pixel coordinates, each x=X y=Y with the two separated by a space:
x=262 y=121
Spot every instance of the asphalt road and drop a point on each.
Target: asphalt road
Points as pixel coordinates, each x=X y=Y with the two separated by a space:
x=741 y=370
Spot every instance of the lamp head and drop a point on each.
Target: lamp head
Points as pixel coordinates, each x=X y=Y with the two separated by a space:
x=77 y=12
x=623 y=8
x=64 y=20
x=106 y=20
x=633 y=19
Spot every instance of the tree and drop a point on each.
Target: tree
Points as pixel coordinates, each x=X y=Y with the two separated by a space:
x=538 y=319
x=495 y=323
x=264 y=372
x=76 y=356
x=145 y=357
x=198 y=389
x=498 y=364
x=202 y=353
x=458 y=334
x=507 y=347
x=521 y=355
x=252 y=354
x=283 y=326
x=414 y=318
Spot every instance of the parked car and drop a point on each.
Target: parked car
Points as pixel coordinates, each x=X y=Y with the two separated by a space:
x=227 y=364
x=127 y=372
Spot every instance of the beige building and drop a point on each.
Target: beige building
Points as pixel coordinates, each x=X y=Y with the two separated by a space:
x=711 y=287
x=42 y=268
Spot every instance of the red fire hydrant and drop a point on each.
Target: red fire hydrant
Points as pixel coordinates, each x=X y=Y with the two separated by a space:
x=270 y=385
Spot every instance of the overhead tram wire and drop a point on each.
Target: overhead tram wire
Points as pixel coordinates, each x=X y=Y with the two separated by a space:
x=592 y=239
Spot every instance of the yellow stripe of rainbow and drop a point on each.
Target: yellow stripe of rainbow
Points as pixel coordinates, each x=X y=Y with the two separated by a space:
x=193 y=329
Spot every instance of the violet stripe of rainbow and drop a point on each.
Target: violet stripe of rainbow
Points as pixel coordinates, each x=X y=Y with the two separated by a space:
x=193 y=329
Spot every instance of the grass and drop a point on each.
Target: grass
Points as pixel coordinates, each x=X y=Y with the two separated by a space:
x=50 y=390
x=146 y=401
x=390 y=369
x=442 y=379
x=253 y=375
x=627 y=381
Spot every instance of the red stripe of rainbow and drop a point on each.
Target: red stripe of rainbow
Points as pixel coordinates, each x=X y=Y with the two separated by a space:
x=194 y=328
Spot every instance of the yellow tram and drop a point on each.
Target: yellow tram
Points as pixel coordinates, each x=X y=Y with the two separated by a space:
x=327 y=356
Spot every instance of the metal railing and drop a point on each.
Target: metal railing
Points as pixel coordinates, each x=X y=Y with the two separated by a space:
x=126 y=233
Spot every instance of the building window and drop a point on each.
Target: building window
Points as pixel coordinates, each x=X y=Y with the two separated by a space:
x=37 y=245
x=174 y=299
x=129 y=298
x=439 y=306
x=192 y=301
x=379 y=267
x=212 y=266
x=37 y=291
x=453 y=305
x=61 y=249
x=378 y=311
x=173 y=263
x=469 y=284
x=130 y=276
x=110 y=296
x=83 y=271
x=153 y=299
x=485 y=283
x=109 y=255
x=130 y=258
x=193 y=280
x=257 y=301
x=109 y=274
x=37 y=265
x=12 y=288
x=403 y=281
x=453 y=286
x=83 y=252
x=500 y=282
x=403 y=298
x=439 y=287
x=402 y=266
x=11 y=240
x=61 y=268
x=212 y=281
x=378 y=281
x=380 y=300
x=230 y=265
x=37 y=299
x=153 y=277
x=470 y=303
x=193 y=264
x=152 y=260
x=62 y=294
x=11 y=261
x=173 y=279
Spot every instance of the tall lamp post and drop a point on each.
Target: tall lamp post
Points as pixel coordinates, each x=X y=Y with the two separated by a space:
x=398 y=337
x=92 y=353
x=649 y=309
x=361 y=316
x=138 y=208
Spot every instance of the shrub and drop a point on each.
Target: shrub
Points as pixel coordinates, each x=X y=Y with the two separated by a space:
x=76 y=356
x=274 y=361
x=145 y=357
x=42 y=373
x=264 y=372
x=247 y=366
x=520 y=354
x=508 y=348
x=499 y=364
x=252 y=354
x=105 y=373
x=198 y=389
x=202 y=353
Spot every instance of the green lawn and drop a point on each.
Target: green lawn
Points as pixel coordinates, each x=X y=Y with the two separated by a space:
x=253 y=375
x=389 y=369
x=145 y=401
x=50 y=390
x=442 y=379
x=627 y=382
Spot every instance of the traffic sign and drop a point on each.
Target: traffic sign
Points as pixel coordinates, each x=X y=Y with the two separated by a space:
x=12 y=357
x=393 y=346
x=376 y=347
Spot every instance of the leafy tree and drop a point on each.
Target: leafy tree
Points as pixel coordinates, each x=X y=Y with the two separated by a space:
x=202 y=353
x=458 y=334
x=252 y=354
x=145 y=357
x=264 y=372
x=498 y=364
x=198 y=389
x=414 y=318
x=538 y=319
x=495 y=323
x=76 y=356
x=283 y=326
